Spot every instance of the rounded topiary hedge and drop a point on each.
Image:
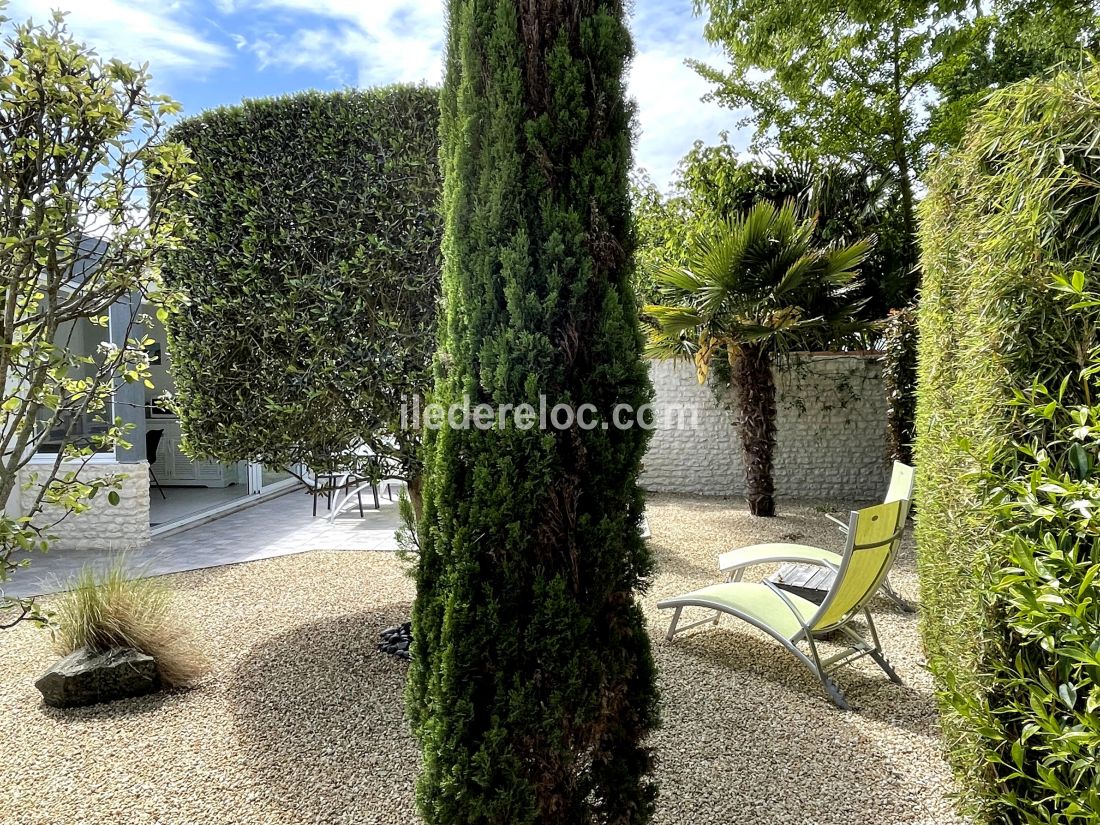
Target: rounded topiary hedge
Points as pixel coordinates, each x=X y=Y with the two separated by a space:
x=1007 y=451
x=313 y=274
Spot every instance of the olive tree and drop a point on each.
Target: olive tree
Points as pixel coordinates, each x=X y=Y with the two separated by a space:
x=83 y=167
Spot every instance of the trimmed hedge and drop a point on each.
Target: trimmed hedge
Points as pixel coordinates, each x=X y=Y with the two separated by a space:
x=1007 y=423
x=313 y=276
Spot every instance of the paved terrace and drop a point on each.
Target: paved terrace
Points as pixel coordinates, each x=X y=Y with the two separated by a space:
x=280 y=526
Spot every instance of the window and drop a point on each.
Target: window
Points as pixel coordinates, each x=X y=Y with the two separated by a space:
x=82 y=337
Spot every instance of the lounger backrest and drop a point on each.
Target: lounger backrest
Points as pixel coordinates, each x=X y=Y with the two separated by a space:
x=901 y=483
x=874 y=534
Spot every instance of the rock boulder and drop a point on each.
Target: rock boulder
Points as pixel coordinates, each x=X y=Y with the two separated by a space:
x=88 y=677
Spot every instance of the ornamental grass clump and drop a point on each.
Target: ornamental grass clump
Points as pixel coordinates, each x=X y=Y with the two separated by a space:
x=1008 y=438
x=111 y=609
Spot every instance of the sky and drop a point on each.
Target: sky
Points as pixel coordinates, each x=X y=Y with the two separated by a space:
x=207 y=53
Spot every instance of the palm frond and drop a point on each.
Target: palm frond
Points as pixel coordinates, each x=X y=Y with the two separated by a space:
x=676 y=278
x=667 y=349
x=674 y=320
x=758 y=279
x=842 y=264
x=795 y=275
x=707 y=346
x=749 y=333
x=756 y=225
x=717 y=265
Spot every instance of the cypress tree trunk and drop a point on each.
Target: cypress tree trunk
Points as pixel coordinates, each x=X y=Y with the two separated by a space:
x=415 y=486
x=532 y=687
x=752 y=376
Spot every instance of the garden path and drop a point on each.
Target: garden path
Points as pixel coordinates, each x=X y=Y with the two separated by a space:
x=277 y=527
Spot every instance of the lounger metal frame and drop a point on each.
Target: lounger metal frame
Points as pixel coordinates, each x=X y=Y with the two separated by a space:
x=821 y=668
x=897 y=490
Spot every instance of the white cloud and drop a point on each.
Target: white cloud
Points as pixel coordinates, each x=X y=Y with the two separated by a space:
x=671 y=114
x=385 y=41
x=365 y=43
x=373 y=42
x=136 y=31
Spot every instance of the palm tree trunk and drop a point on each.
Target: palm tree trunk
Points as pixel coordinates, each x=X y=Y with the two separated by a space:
x=755 y=385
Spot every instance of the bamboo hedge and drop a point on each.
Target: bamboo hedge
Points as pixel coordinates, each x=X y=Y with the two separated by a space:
x=1008 y=433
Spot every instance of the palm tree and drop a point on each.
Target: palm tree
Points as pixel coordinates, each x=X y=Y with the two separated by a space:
x=753 y=292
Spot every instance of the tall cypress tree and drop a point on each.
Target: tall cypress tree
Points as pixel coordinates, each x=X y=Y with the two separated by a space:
x=533 y=686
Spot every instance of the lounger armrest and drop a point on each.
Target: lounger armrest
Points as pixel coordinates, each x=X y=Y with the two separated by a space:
x=841 y=524
x=744 y=557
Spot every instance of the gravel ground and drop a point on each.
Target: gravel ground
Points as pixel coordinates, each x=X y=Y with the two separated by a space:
x=301 y=721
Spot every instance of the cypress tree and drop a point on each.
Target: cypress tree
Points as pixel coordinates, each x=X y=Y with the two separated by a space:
x=533 y=686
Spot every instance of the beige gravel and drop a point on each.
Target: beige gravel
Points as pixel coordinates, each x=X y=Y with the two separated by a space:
x=301 y=721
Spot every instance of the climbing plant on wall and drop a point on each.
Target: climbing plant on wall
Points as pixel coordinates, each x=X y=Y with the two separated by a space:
x=899 y=378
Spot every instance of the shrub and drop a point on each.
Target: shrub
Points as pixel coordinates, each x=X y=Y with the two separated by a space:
x=1007 y=451
x=532 y=687
x=313 y=277
x=899 y=378
x=107 y=610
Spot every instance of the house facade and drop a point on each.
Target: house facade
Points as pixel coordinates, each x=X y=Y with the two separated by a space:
x=161 y=489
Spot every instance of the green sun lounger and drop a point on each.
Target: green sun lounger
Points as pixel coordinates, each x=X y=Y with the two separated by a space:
x=874 y=535
x=735 y=562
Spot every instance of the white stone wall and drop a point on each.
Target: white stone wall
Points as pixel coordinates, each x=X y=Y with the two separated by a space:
x=831 y=432
x=103 y=526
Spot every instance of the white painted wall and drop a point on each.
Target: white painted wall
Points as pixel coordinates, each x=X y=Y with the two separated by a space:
x=103 y=526
x=831 y=439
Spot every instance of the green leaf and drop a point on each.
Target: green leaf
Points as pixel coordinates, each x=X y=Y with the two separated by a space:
x=1079 y=460
x=1068 y=694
